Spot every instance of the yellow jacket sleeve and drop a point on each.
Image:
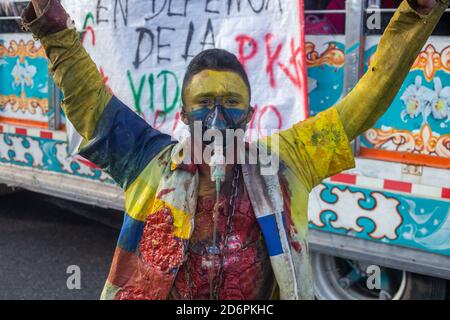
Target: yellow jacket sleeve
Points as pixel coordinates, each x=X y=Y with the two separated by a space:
x=85 y=95
x=314 y=149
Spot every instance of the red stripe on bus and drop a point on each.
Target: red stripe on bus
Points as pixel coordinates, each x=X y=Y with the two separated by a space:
x=445 y=193
x=21 y=131
x=344 y=178
x=397 y=185
x=46 y=135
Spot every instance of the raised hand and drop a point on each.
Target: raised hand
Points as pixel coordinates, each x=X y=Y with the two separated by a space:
x=424 y=6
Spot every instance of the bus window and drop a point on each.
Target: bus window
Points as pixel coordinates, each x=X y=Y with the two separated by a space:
x=324 y=17
x=10 y=16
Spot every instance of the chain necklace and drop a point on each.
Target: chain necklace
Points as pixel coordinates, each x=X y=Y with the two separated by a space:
x=231 y=210
x=214 y=250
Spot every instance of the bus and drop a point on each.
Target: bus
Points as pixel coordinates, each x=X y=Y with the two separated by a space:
x=378 y=231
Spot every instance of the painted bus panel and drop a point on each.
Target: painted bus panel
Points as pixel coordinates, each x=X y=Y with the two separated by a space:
x=24 y=81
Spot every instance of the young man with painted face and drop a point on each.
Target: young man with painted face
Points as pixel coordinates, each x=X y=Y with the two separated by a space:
x=166 y=248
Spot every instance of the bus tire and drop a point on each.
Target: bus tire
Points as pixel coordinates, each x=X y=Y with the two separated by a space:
x=343 y=279
x=420 y=287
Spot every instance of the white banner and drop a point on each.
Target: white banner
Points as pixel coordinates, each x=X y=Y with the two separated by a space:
x=143 y=48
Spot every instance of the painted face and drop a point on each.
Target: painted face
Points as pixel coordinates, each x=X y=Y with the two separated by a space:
x=220 y=99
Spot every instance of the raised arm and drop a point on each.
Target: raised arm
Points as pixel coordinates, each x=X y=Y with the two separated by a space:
x=115 y=138
x=85 y=95
x=405 y=36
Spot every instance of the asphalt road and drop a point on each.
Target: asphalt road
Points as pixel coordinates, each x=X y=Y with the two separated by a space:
x=40 y=240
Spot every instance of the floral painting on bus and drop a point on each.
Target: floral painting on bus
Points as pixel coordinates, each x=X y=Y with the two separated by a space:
x=24 y=79
x=419 y=118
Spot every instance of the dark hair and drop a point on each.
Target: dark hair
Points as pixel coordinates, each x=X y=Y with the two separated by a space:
x=215 y=59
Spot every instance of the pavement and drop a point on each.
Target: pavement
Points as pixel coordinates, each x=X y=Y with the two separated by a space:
x=40 y=240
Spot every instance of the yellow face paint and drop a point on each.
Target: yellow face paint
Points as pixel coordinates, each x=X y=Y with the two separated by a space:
x=209 y=84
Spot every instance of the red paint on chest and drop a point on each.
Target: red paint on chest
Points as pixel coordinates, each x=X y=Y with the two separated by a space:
x=246 y=266
x=158 y=246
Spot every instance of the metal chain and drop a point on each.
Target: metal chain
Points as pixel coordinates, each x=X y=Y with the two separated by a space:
x=231 y=210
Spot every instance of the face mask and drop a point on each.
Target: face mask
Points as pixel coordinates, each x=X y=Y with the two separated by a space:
x=220 y=118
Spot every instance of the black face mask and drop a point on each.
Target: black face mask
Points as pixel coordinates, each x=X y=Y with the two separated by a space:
x=219 y=118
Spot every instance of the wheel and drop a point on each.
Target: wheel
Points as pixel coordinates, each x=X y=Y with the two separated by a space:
x=343 y=279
